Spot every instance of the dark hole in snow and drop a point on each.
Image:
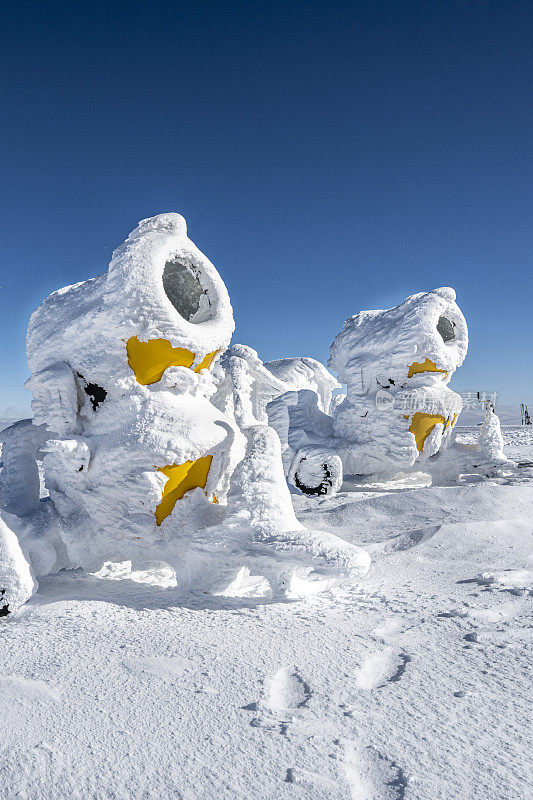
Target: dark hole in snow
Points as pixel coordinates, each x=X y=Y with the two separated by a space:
x=4 y=610
x=323 y=487
x=446 y=329
x=182 y=288
x=96 y=394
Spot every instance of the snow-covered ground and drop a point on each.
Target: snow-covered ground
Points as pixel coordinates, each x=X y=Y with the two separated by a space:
x=412 y=683
x=518 y=440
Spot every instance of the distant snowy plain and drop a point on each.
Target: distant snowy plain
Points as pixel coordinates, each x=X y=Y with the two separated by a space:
x=413 y=683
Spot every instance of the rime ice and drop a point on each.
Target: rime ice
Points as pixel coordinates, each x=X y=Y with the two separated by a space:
x=140 y=429
x=396 y=365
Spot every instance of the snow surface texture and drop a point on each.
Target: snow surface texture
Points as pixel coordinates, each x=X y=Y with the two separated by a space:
x=411 y=684
x=140 y=430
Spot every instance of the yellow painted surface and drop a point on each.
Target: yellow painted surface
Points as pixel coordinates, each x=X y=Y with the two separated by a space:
x=422 y=425
x=181 y=479
x=149 y=360
x=426 y=366
x=451 y=421
x=206 y=362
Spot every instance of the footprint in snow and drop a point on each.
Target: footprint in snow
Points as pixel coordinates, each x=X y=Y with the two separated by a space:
x=395 y=627
x=167 y=669
x=370 y=774
x=285 y=693
x=389 y=627
x=381 y=667
x=29 y=773
x=27 y=690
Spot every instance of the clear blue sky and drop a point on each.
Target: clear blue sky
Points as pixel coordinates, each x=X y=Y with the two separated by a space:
x=328 y=157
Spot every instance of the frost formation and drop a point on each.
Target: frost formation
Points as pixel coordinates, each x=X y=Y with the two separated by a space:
x=154 y=440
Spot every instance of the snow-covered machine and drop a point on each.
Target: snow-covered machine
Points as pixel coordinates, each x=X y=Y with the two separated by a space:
x=137 y=460
x=398 y=413
x=121 y=377
x=152 y=439
x=396 y=365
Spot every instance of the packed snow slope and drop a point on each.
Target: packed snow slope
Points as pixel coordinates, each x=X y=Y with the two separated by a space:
x=411 y=683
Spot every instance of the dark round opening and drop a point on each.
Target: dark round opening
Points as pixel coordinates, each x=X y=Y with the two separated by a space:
x=324 y=487
x=446 y=328
x=183 y=288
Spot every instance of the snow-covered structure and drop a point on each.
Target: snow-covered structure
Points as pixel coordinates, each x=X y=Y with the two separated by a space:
x=121 y=378
x=398 y=413
x=484 y=457
x=397 y=410
x=16 y=582
x=309 y=449
x=292 y=395
x=136 y=457
x=152 y=439
x=246 y=385
x=396 y=365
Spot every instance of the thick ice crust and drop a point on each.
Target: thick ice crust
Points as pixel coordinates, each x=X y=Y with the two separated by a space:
x=115 y=420
x=263 y=527
x=88 y=324
x=382 y=344
x=396 y=365
x=485 y=457
x=247 y=385
x=141 y=432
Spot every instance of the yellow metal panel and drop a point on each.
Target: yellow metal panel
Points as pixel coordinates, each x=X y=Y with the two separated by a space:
x=206 y=362
x=425 y=366
x=451 y=421
x=422 y=425
x=181 y=479
x=149 y=360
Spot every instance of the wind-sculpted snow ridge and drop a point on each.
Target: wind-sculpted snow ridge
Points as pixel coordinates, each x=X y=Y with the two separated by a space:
x=140 y=427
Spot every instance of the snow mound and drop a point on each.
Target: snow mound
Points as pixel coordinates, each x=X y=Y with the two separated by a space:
x=16 y=581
